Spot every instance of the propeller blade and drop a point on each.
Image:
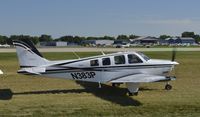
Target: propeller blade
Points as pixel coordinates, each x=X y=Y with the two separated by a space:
x=174 y=54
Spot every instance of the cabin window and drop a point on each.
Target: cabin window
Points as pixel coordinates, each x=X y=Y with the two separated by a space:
x=143 y=56
x=119 y=59
x=134 y=59
x=94 y=63
x=106 y=61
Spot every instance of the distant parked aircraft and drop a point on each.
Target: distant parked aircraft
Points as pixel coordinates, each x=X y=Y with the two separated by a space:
x=131 y=68
x=5 y=45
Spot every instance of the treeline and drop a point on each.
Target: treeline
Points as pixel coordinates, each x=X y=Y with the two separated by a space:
x=34 y=39
x=184 y=34
x=78 y=39
x=68 y=38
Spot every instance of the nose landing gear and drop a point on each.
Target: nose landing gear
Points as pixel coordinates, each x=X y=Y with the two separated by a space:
x=168 y=87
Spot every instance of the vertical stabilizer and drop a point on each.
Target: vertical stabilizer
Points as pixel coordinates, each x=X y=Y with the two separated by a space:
x=28 y=55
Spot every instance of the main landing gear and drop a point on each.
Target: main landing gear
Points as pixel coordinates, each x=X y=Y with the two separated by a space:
x=132 y=94
x=168 y=87
x=116 y=84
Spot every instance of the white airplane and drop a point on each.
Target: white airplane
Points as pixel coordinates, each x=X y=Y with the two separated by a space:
x=5 y=46
x=131 y=68
x=1 y=72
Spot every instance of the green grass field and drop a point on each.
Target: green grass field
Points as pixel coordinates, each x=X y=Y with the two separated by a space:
x=22 y=95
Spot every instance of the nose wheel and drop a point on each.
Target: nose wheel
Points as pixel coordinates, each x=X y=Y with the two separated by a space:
x=168 y=87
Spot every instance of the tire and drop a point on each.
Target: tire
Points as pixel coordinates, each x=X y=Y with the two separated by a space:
x=168 y=87
x=136 y=93
x=113 y=85
x=132 y=94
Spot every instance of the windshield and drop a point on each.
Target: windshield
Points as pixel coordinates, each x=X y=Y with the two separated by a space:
x=143 y=56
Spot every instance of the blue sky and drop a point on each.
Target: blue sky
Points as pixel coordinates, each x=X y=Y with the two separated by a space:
x=99 y=17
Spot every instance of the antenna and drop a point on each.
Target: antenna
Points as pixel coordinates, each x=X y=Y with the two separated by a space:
x=76 y=55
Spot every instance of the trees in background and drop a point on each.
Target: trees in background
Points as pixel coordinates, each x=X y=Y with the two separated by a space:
x=122 y=37
x=45 y=38
x=188 y=34
x=133 y=36
x=191 y=34
x=197 y=38
x=164 y=36
x=78 y=39
x=3 y=39
x=71 y=39
x=34 y=39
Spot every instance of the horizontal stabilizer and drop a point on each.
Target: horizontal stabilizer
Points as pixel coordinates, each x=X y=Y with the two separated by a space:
x=32 y=70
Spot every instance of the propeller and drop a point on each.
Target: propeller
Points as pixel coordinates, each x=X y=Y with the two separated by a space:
x=173 y=54
x=170 y=73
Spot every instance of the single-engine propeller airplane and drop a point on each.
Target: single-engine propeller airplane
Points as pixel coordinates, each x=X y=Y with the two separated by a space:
x=131 y=68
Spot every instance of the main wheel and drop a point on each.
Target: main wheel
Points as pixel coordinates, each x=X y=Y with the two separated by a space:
x=132 y=94
x=168 y=87
x=136 y=93
x=115 y=84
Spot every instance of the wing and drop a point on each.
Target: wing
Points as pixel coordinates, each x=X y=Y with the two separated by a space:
x=142 y=78
x=132 y=81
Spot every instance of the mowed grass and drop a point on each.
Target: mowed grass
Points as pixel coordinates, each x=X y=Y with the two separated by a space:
x=37 y=96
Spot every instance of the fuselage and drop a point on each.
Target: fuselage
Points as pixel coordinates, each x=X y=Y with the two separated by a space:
x=105 y=68
x=130 y=68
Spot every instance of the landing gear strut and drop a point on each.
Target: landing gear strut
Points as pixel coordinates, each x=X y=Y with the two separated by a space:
x=168 y=87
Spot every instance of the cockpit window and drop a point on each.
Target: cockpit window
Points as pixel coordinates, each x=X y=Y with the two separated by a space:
x=119 y=59
x=143 y=56
x=106 y=61
x=132 y=58
x=94 y=63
